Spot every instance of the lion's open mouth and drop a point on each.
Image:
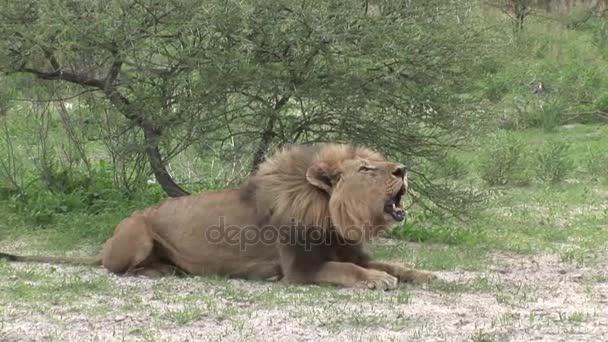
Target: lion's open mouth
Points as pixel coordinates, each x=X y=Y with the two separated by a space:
x=393 y=206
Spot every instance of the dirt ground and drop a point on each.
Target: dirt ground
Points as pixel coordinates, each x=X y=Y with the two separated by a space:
x=521 y=298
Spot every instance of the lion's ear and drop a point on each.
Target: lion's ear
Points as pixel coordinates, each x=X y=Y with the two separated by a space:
x=321 y=176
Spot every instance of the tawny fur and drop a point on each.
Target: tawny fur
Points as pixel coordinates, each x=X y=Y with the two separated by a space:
x=337 y=192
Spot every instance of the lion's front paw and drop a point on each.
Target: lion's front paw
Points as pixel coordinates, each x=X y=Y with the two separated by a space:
x=379 y=280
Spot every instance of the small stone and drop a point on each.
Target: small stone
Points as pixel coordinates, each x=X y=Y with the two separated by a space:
x=120 y=318
x=577 y=276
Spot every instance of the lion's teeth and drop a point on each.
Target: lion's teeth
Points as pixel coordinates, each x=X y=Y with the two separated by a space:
x=394 y=206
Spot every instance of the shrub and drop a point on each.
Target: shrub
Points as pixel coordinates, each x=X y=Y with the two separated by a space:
x=75 y=192
x=596 y=163
x=448 y=167
x=503 y=161
x=495 y=89
x=550 y=116
x=552 y=163
x=528 y=112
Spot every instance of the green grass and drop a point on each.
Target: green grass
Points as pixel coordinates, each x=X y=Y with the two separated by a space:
x=434 y=256
x=45 y=290
x=70 y=289
x=566 y=217
x=188 y=315
x=574 y=317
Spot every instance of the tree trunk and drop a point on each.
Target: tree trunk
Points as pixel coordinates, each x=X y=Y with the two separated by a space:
x=268 y=133
x=151 y=135
x=159 y=169
x=264 y=144
x=520 y=21
x=520 y=11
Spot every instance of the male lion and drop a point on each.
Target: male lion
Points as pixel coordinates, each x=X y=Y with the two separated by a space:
x=304 y=217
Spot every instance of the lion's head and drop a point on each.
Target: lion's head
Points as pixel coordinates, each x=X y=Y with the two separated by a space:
x=350 y=189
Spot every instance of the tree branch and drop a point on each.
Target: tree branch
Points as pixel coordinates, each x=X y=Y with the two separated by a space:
x=108 y=86
x=60 y=75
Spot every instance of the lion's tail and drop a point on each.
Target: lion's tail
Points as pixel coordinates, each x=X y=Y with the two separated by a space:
x=78 y=261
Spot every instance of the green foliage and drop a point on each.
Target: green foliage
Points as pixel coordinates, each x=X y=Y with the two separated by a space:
x=551 y=115
x=89 y=194
x=454 y=168
x=601 y=102
x=495 y=88
x=235 y=80
x=503 y=160
x=552 y=162
x=569 y=61
x=438 y=233
x=450 y=167
x=596 y=163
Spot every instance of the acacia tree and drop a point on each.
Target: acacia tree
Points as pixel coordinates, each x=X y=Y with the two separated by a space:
x=260 y=74
x=388 y=75
x=140 y=56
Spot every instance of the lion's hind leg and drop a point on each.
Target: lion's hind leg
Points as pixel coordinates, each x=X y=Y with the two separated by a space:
x=131 y=250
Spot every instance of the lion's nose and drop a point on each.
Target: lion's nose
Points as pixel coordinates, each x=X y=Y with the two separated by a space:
x=399 y=171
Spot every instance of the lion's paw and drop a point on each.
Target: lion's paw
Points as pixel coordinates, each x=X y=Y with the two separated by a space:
x=379 y=280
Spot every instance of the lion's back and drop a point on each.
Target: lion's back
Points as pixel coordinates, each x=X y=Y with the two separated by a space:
x=205 y=228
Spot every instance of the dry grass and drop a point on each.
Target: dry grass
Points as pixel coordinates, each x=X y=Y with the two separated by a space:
x=518 y=298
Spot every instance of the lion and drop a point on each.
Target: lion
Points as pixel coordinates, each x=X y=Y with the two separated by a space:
x=304 y=217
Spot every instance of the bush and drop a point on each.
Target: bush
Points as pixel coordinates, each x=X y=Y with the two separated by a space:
x=570 y=63
x=596 y=163
x=448 y=167
x=75 y=192
x=550 y=115
x=495 y=89
x=503 y=162
x=553 y=165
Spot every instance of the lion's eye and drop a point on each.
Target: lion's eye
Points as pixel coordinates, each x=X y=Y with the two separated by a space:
x=366 y=168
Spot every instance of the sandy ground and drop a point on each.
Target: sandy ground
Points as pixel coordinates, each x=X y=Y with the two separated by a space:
x=519 y=299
